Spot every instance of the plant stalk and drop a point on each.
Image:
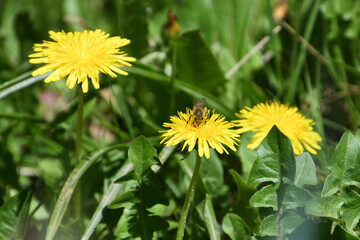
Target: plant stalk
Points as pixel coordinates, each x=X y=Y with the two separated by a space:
x=186 y=206
x=78 y=143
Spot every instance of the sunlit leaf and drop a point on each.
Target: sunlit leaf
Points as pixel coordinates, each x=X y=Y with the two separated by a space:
x=142 y=155
x=351 y=209
x=345 y=168
x=305 y=171
x=325 y=206
x=291 y=220
x=274 y=155
x=265 y=197
x=235 y=227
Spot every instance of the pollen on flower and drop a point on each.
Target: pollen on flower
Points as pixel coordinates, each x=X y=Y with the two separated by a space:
x=261 y=118
x=81 y=56
x=211 y=132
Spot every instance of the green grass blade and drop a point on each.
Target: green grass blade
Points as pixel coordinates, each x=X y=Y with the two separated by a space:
x=112 y=192
x=210 y=219
x=15 y=80
x=295 y=76
x=123 y=108
x=68 y=189
x=114 y=188
x=20 y=85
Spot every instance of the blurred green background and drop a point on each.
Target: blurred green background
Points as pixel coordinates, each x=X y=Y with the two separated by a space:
x=38 y=122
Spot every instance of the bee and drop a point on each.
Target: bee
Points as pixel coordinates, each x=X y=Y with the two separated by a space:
x=199 y=113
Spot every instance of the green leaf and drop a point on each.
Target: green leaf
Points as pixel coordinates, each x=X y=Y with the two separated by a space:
x=275 y=159
x=207 y=214
x=249 y=214
x=126 y=199
x=345 y=168
x=13 y=216
x=235 y=227
x=351 y=209
x=68 y=189
x=122 y=228
x=290 y=221
x=305 y=171
x=143 y=156
x=212 y=175
x=325 y=206
x=25 y=197
x=23 y=84
x=265 y=197
x=51 y=170
x=296 y=197
x=151 y=193
x=107 y=198
x=195 y=62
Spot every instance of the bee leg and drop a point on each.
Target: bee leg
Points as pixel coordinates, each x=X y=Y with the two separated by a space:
x=188 y=120
x=186 y=155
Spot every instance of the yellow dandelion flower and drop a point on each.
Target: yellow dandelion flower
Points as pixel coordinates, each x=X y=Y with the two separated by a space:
x=211 y=132
x=81 y=55
x=294 y=125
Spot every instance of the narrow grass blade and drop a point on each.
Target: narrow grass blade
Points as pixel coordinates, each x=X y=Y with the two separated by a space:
x=13 y=81
x=23 y=84
x=210 y=219
x=68 y=189
x=112 y=192
x=114 y=189
x=294 y=78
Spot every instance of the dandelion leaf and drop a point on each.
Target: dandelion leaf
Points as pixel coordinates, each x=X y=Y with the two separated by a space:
x=345 y=166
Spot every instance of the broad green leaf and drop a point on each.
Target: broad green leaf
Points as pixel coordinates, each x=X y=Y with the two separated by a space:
x=305 y=171
x=290 y=221
x=126 y=199
x=351 y=209
x=265 y=197
x=13 y=216
x=151 y=193
x=345 y=168
x=142 y=155
x=122 y=228
x=195 y=63
x=235 y=227
x=296 y=197
x=275 y=159
x=325 y=206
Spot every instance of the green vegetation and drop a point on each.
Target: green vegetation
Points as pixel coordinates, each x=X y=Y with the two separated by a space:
x=129 y=186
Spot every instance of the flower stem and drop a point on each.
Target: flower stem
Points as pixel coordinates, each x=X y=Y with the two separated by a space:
x=79 y=127
x=185 y=210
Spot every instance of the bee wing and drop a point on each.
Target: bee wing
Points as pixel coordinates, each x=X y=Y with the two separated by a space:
x=200 y=101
